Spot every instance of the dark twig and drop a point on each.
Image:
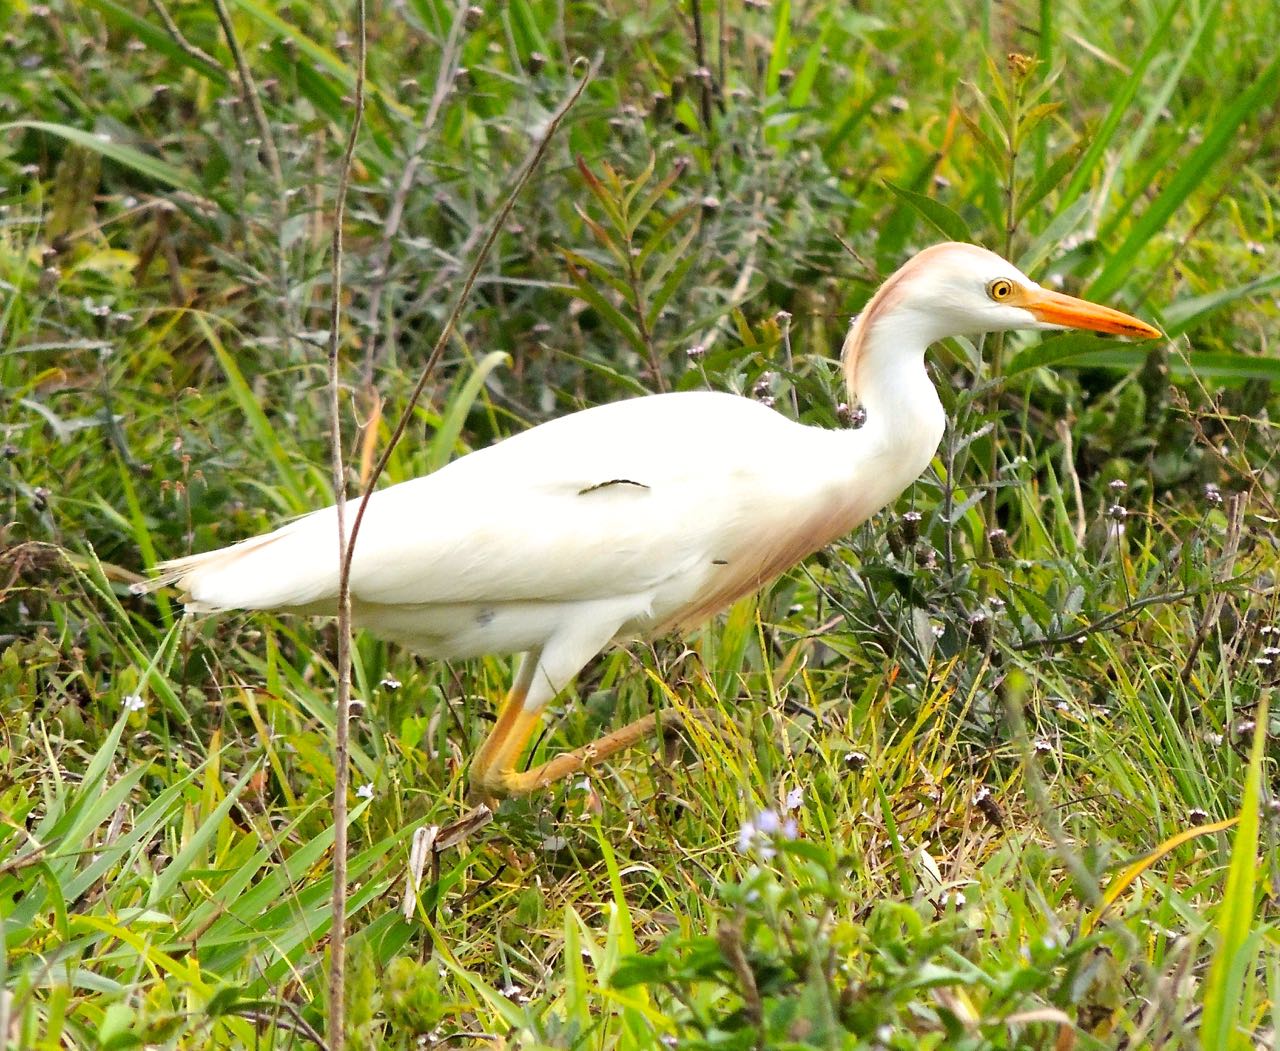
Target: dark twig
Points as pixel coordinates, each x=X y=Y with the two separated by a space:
x=298 y=1024
x=32 y=857
x=337 y=934
x=346 y=546
x=1118 y=616
x=531 y=164
x=721 y=78
x=704 y=71
x=249 y=93
x=175 y=34
x=729 y=938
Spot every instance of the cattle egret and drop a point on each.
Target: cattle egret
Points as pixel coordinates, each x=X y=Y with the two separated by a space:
x=634 y=518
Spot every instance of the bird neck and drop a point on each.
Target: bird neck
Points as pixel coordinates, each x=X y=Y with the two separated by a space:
x=883 y=361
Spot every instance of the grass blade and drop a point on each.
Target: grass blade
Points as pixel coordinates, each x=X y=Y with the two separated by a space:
x=1187 y=176
x=1185 y=314
x=1225 y=986
x=263 y=430
x=1101 y=139
x=445 y=442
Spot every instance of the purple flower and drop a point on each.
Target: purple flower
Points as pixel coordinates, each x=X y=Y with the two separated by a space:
x=763 y=831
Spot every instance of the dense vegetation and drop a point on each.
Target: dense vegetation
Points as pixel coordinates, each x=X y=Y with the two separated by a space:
x=967 y=750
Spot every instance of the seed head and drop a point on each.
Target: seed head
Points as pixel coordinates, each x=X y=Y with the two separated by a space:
x=980 y=629
x=911 y=526
x=855 y=760
x=1000 y=546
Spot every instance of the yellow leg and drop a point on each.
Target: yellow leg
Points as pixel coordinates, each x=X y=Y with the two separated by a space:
x=494 y=776
x=501 y=749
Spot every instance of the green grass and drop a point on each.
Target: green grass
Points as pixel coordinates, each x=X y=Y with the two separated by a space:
x=994 y=749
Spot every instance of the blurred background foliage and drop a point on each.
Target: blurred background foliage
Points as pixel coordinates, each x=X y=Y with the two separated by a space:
x=1050 y=659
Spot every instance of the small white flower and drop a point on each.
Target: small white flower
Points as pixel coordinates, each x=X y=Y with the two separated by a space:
x=365 y=791
x=390 y=683
x=768 y=822
x=795 y=799
x=133 y=702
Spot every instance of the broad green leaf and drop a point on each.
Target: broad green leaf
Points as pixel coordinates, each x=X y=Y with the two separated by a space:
x=942 y=218
x=128 y=156
x=1081 y=350
x=780 y=51
x=1049 y=180
x=802 y=86
x=1187 y=313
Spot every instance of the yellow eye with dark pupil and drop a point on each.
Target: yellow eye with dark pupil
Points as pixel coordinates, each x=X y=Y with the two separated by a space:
x=1000 y=289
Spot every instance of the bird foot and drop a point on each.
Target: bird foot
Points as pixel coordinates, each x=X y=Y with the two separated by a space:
x=491 y=783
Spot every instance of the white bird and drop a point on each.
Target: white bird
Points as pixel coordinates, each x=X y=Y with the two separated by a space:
x=634 y=518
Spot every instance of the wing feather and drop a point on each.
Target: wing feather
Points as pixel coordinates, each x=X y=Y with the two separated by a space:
x=542 y=516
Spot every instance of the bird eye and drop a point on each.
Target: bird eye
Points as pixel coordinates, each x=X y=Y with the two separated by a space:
x=1000 y=289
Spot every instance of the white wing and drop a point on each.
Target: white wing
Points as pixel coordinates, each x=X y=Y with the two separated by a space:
x=610 y=501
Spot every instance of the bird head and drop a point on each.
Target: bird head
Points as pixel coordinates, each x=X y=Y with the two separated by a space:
x=958 y=289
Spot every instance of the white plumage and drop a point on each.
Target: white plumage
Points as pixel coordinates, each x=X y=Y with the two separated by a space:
x=635 y=517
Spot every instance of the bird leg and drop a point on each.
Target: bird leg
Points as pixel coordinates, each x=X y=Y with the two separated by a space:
x=494 y=774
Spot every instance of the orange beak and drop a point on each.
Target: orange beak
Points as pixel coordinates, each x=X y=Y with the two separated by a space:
x=1054 y=308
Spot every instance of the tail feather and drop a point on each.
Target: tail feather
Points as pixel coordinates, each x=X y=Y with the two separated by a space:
x=228 y=578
